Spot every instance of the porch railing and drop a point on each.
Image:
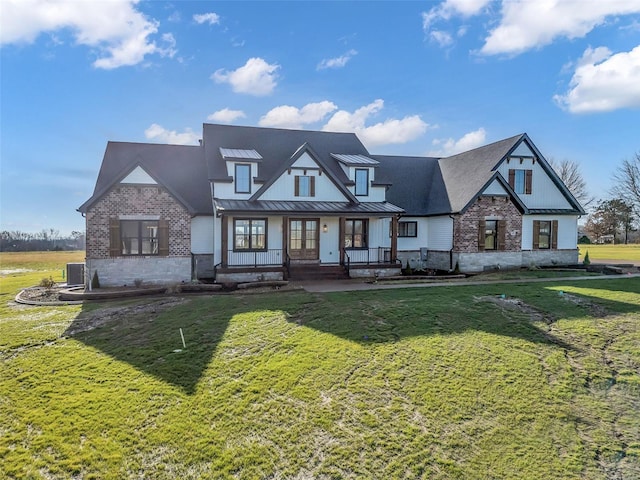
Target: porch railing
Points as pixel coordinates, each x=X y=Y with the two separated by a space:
x=368 y=256
x=257 y=258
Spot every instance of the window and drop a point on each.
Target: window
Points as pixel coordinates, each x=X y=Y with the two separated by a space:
x=407 y=229
x=138 y=237
x=243 y=178
x=250 y=234
x=305 y=186
x=355 y=233
x=362 y=181
x=545 y=234
x=491 y=235
x=521 y=180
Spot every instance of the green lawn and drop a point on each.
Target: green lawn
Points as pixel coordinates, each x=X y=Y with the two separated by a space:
x=629 y=253
x=439 y=383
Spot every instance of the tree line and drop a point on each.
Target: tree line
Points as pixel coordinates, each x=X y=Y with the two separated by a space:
x=46 y=239
x=614 y=219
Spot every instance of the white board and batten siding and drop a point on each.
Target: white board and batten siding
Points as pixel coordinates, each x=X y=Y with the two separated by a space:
x=495 y=188
x=544 y=193
x=138 y=176
x=202 y=235
x=434 y=233
x=284 y=187
x=567 y=230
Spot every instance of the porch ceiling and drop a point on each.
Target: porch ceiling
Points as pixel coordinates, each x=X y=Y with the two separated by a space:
x=281 y=207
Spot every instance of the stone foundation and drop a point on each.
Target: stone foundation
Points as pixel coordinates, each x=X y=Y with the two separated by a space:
x=547 y=258
x=119 y=271
x=369 y=271
x=244 y=276
x=479 y=262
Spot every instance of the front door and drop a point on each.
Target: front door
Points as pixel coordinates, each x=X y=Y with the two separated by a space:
x=303 y=239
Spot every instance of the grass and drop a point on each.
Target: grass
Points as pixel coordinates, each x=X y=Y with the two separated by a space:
x=622 y=253
x=447 y=382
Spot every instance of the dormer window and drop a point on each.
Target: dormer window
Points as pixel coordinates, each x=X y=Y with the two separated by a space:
x=305 y=186
x=242 y=178
x=362 y=182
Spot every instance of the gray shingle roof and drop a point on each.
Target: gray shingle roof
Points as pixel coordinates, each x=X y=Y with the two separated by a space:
x=465 y=174
x=178 y=168
x=276 y=146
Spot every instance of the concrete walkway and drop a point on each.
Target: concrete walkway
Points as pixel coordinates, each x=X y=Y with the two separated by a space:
x=359 y=285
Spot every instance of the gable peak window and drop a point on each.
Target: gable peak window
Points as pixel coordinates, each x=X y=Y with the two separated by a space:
x=305 y=186
x=242 y=178
x=362 y=182
x=521 y=180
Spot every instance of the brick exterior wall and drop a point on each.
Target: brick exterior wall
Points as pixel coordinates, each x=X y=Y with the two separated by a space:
x=465 y=229
x=137 y=200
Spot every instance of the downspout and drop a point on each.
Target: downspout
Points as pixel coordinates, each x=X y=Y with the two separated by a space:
x=213 y=231
x=453 y=231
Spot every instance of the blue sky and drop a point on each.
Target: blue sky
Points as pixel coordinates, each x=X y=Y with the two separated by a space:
x=416 y=78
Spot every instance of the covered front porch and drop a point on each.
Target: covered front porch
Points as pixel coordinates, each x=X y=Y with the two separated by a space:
x=273 y=240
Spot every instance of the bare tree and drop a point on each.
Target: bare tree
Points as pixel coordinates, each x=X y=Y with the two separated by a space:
x=627 y=182
x=570 y=174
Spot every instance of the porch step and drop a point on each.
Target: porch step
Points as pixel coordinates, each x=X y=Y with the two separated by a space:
x=303 y=272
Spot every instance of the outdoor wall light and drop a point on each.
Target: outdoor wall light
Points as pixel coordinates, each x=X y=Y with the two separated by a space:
x=325 y=229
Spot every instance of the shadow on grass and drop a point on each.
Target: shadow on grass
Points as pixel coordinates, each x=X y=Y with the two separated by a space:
x=146 y=335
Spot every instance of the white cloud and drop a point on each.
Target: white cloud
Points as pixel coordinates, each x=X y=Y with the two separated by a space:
x=444 y=12
x=256 y=77
x=527 y=24
x=603 y=82
x=286 y=116
x=158 y=133
x=121 y=34
x=442 y=38
x=449 y=8
x=210 y=18
x=450 y=146
x=382 y=133
x=226 y=115
x=337 y=62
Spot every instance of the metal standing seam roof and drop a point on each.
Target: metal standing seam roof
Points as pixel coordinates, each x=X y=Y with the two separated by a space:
x=354 y=160
x=292 y=207
x=238 y=153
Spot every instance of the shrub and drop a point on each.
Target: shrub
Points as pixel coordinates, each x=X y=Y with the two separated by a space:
x=137 y=282
x=48 y=283
x=586 y=260
x=408 y=270
x=95 y=281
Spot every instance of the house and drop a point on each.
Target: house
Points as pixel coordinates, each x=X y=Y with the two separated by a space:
x=261 y=203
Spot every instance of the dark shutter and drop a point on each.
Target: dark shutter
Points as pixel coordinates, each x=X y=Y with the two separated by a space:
x=536 y=234
x=554 y=235
x=296 y=188
x=114 y=237
x=512 y=178
x=528 y=181
x=312 y=186
x=163 y=238
x=502 y=235
x=482 y=225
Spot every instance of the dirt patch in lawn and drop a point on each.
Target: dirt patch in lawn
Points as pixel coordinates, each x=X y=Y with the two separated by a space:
x=91 y=320
x=515 y=304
